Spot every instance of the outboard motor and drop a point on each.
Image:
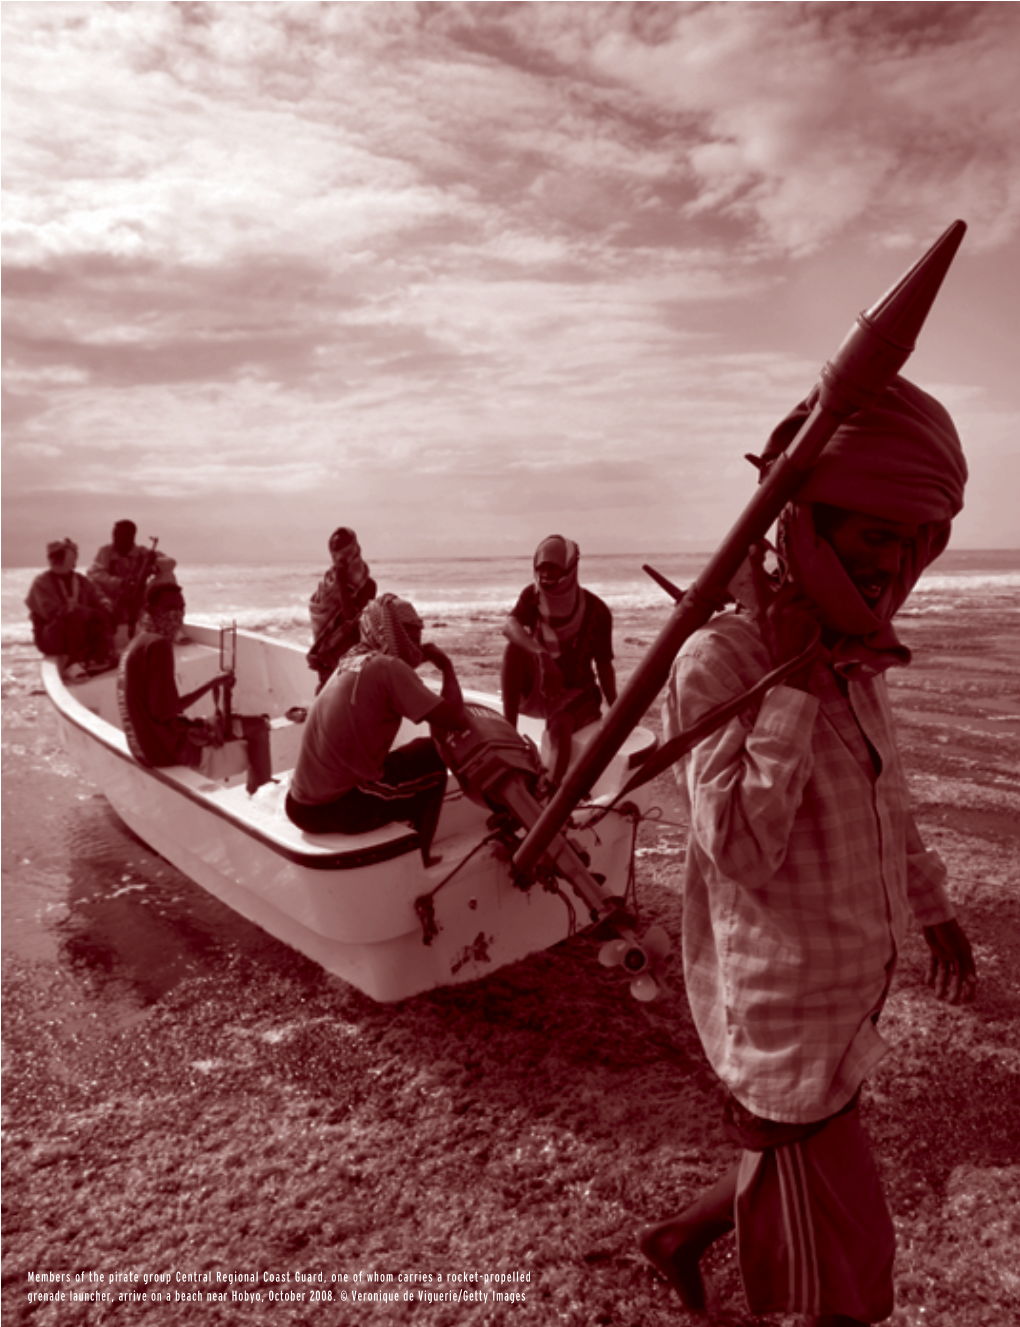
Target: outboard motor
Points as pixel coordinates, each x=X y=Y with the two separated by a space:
x=486 y=754
x=500 y=769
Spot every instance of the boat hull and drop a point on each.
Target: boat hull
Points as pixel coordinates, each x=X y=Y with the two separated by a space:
x=353 y=904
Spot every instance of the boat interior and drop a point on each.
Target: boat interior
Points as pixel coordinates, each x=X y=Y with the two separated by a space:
x=273 y=679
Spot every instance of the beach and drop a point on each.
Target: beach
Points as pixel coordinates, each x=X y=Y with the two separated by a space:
x=196 y=1116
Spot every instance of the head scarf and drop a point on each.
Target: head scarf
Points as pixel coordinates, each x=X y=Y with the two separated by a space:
x=55 y=548
x=357 y=575
x=898 y=460
x=341 y=537
x=560 y=610
x=384 y=624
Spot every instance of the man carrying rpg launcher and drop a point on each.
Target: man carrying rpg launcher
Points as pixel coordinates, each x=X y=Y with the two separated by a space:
x=804 y=864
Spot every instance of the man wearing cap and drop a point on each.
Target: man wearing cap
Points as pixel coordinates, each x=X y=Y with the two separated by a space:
x=70 y=618
x=559 y=636
x=337 y=603
x=804 y=866
x=347 y=779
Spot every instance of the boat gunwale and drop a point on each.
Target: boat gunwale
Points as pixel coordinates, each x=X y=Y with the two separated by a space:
x=344 y=860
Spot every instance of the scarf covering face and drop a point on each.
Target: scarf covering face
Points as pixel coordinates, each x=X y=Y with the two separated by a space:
x=356 y=575
x=900 y=460
x=341 y=537
x=164 y=621
x=384 y=624
x=560 y=611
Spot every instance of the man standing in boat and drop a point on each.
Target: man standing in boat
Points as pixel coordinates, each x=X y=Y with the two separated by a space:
x=804 y=867
x=347 y=779
x=559 y=637
x=336 y=606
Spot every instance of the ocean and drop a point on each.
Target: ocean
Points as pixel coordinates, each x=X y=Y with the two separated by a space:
x=458 y=596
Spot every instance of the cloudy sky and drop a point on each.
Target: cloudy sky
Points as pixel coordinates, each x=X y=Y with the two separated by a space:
x=461 y=275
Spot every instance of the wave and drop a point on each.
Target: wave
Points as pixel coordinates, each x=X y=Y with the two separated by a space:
x=273 y=599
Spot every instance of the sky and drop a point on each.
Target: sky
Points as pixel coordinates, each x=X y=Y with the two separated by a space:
x=464 y=275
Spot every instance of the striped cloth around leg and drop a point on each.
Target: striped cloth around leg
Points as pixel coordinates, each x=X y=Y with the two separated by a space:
x=814 y=1234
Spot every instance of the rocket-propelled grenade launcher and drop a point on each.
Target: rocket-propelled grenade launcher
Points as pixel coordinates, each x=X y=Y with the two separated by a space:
x=876 y=348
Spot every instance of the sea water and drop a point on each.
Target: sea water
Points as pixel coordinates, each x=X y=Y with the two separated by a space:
x=468 y=594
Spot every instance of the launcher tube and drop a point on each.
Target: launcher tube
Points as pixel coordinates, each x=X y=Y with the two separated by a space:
x=873 y=352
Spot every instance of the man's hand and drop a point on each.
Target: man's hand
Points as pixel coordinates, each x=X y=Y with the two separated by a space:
x=449 y=713
x=790 y=624
x=951 y=971
x=432 y=654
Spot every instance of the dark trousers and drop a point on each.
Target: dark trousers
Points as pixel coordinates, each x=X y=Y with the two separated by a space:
x=83 y=634
x=411 y=789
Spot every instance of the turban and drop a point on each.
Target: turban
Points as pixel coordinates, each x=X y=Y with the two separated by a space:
x=384 y=624
x=899 y=460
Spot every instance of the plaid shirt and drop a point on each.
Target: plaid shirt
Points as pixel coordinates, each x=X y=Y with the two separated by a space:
x=802 y=866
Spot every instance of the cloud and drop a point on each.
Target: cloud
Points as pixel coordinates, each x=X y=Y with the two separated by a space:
x=810 y=116
x=464 y=249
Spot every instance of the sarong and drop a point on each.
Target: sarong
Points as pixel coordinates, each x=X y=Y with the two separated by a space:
x=814 y=1234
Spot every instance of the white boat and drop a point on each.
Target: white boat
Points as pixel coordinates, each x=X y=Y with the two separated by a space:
x=363 y=906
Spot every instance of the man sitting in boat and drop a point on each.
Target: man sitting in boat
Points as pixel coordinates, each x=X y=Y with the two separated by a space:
x=152 y=710
x=347 y=778
x=122 y=570
x=560 y=635
x=70 y=618
x=337 y=604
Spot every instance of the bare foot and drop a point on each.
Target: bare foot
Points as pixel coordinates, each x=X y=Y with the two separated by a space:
x=670 y=1253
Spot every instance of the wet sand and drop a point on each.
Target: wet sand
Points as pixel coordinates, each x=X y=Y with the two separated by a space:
x=188 y=1103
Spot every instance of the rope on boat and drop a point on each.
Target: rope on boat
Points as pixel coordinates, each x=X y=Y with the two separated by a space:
x=424 y=904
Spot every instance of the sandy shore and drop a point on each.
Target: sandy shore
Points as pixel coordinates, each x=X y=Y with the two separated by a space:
x=187 y=1103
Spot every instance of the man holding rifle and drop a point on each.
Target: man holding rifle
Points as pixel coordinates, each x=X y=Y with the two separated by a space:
x=122 y=571
x=804 y=865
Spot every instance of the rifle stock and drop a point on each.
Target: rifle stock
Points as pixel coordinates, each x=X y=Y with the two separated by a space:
x=872 y=353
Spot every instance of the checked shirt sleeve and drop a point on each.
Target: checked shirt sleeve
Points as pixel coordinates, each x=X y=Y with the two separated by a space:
x=745 y=782
x=926 y=881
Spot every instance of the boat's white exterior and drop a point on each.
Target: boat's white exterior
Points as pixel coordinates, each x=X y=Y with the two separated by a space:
x=348 y=902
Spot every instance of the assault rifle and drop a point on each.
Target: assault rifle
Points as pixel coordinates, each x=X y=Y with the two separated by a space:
x=132 y=592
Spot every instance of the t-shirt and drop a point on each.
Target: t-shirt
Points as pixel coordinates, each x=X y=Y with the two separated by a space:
x=592 y=644
x=353 y=723
x=149 y=700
